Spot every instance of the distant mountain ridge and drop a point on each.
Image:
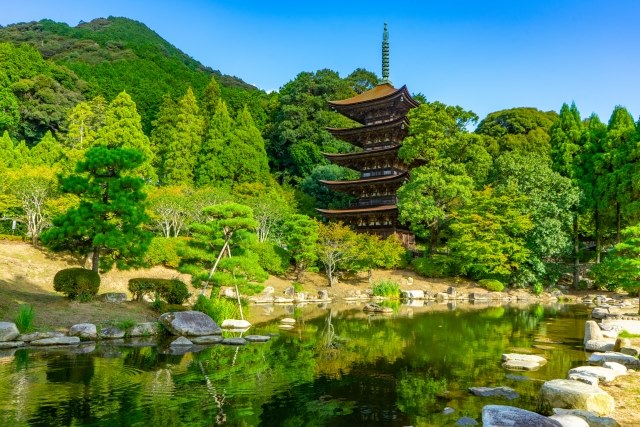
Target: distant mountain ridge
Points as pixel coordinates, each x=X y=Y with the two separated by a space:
x=116 y=54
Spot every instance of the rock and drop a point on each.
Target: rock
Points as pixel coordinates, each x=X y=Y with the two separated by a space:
x=114 y=297
x=290 y=292
x=452 y=292
x=110 y=333
x=584 y=378
x=207 y=339
x=39 y=336
x=476 y=296
x=180 y=341
x=592 y=419
x=409 y=280
x=618 y=325
x=630 y=351
x=323 y=295
x=268 y=291
x=375 y=308
x=257 y=338
x=610 y=356
x=235 y=324
x=144 y=329
x=615 y=366
x=440 y=296
x=227 y=292
x=571 y=394
x=448 y=411
x=282 y=300
x=600 y=312
x=288 y=321
x=502 y=416
x=285 y=326
x=234 y=341
x=301 y=296
x=85 y=331
x=466 y=421
x=413 y=294
x=506 y=392
x=57 y=341
x=605 y=344
x=10 y=344
x=622 y=342
x=8 y=331
x=568 y=420
x=592 y=331
x=522 y=362
x=189 y=323
x=603 y=374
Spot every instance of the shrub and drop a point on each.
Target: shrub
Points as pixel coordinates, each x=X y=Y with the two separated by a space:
x=537 y=288
x=24 y=319
x=386 y=288
x=77 y=283
x=217 y=308
x=173 y=291
x=492 y=285
x=433 y=266
x=272 y=258
x=163 y=251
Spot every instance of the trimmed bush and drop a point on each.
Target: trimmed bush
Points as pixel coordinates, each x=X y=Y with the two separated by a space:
x=386 y=288
x=173 y=291
x=492 y=285
x=77 y=283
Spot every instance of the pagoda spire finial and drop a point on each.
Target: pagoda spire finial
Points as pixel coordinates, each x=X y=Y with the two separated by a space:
x=385 y=55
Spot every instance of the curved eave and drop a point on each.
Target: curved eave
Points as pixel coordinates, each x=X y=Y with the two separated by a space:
x=360 y=154
x=381 y=92
x=345 y=132
x=383 y=179
x=383 y=208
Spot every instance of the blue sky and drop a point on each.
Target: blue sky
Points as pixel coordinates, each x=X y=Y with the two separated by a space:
x=484 y=56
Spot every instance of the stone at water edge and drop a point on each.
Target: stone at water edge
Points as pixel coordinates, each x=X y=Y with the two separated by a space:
x=10 y=344
x=609 y=356
x=189 y=323
x=501 y=416
x=413 y=294
x=8 y=331
x=207 y=339
x=144 y=329
x=85 y=331
x=600 y=372
x=592 y=331
x=466 y=421
x=584 y=378
x=288 y=321
x=506 y=392
x=605 y=344
x=630 y=351
x=180 y=341
x=235 y=324
x=234 y=341
x=57 y=341
x=39 y=336
x=568 y=420
x=110 y=333
x=571 y=394
x=615 y=366
x=114 y=297
x=257 y=338
x=594 y=420
x=600 y=312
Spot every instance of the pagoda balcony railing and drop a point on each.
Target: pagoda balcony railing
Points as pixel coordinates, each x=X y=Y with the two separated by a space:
x=377 y=201
x=381 y=172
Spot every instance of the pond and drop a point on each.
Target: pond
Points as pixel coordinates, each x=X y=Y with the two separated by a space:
x=336 y=367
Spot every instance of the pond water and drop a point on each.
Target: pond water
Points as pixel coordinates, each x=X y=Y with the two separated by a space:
x=336 y=367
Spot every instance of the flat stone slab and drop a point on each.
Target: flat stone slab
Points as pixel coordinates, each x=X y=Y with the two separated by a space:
x=502 y=416
x=10 y=344
x=602 y=344
x=506 y=392
x=257 y=338
x=522 y=362
x=8 y=331
x=235 y=324
x=571 y=394
x=39 y=336
x=285 y=326
x=610 y=356
x=594 y=420
x=584 y=378
x=524 y=357
x=603 y=374
x=568 y=420
x=189 y=323
x=615 y=366
x=288 y=320
x=207 y=339
x=57 y=341
x=234 y=341
x=181 y=341
x=110 y=333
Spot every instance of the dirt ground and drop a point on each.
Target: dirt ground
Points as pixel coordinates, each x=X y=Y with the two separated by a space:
x=625 y=390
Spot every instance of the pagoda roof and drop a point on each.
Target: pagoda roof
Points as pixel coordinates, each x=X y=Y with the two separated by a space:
x=361 y=154
x=352 y=134
x=362 y=181
x=378 y=92
x=382 y=208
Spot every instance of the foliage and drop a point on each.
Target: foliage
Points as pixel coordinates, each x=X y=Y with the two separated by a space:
x=24 y=318
x=271 y=257
x=218 y=308
x=173 y=291
x=537 y=288
x=386 y=288
x=374 y=252
x=163 y=251
x=301 y=235
x=77 y=283
x=492 y=285
x=435 y=265
x=108 y=220
x=337 y=247
x=322 y=195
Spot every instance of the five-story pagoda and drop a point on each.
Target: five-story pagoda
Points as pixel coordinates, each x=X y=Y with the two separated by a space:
x=382 y=112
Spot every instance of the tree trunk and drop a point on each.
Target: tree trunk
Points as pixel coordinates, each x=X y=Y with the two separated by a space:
x=370 y=276
x=95 y=258
x=576 y=253
x=596 y=219
x=618 y=221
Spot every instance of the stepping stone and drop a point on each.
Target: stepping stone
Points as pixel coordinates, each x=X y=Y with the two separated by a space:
x=234 y=341
x=257 y=338
x=506 y=392
x=602 y=373
x=288 y=320
x=235 y=324
x=571 y=394
x=181 y=341
x=207 y=339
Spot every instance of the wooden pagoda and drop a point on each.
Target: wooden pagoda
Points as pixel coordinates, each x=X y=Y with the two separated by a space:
x=382 y=113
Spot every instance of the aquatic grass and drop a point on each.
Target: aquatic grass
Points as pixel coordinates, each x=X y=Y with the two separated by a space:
x=627 y=334
x=24 y=319
x=217 y=308
x=386 y=288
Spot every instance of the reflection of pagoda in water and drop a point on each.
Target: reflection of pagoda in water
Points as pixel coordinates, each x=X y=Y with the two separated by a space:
x=382 y=111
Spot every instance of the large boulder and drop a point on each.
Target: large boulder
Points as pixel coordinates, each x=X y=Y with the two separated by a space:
x=8 y=331
x=85 y=331
x=189 y=323
x=110 y=333
x=506 y=392
x=503 y=416
x=603 y=374
x=571 y=394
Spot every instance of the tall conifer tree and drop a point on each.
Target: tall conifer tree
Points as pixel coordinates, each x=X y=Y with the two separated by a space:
x=210 y=169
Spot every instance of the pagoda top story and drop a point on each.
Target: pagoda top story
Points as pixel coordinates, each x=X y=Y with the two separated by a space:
x=383 y=97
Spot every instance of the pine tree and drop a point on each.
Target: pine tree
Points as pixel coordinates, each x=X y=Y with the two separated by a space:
x=182 y=151
x=85 y=119
x=123 y=129
x=245 y=156
x=209 y=101
x=210 y=169
x=47 y=152
x=164 y=130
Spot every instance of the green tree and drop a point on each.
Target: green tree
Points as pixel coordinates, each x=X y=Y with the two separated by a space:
x=209 y=101
x=164 y=132
x=7 y=151
x=622 y=264
x=209 y=169
x=337 y=248
x=108 y=222
x=375 y=252
x=84 y=120
x=181 y=152
x=123 y=129
x=301 y=235
x=47 y=152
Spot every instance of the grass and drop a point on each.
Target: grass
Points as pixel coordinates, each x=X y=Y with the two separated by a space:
x=386 y=288
x=24 y=319
x=627 y=334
